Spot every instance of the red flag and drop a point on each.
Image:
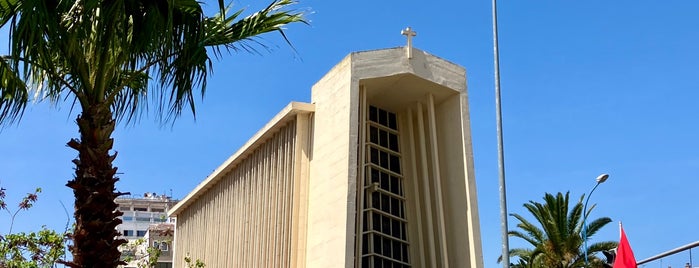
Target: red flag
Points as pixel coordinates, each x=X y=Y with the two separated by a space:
x=624 y=255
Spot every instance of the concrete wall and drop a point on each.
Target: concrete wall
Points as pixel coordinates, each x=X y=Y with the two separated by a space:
x=251 y=211
x=332 y=185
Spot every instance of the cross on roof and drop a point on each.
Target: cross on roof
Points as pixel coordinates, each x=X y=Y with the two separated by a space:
x=409 y=33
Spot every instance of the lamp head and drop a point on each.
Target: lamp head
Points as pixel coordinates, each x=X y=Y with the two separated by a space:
x=602 y=178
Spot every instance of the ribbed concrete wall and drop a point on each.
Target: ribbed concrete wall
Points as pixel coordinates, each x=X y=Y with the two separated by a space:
x=245 y=220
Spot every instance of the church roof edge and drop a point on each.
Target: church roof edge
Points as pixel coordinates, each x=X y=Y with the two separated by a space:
x=286 y=114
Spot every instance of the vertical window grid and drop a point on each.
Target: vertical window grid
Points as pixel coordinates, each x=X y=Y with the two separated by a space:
x=384 y=225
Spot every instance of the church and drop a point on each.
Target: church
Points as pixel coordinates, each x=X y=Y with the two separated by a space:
x=376 y=171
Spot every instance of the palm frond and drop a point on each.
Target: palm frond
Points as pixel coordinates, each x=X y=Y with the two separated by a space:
x=13 y=93
x=8 y=10
x=536 y=234
x=596 y=225
x=127 y=104
x=556 y=240
x=229 y=33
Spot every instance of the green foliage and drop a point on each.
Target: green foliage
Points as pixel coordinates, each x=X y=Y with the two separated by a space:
x=117 y=54
x=109 y=59
x=146 y=256
x=29 y=250
x=193 y=264
x=556 y=239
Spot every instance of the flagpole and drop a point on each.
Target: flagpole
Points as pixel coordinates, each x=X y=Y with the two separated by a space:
x=620 y=228
x=501 y=155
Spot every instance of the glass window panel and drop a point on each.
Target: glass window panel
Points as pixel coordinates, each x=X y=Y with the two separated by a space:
x=374 y=175
x=402 y=233
x=373 y=114
x=377 y=243
x=383 y=159
x=385 y=203
x=383 y=138
x=374 y=135
x=375 y=199
x=378 y=262
x=365 y=242
x=383 y=117
x=397 y=250
x=392 y=121
x=393 y=142
x=397 y=254
x=386 y=243
x=395 y=204
x=395 y=230
x=405 y=253
x=376 y=221
x=374 y=155
x=385 y=225
x=364 y=223
x=385 y=184
x=395 y=164
x=395 y=185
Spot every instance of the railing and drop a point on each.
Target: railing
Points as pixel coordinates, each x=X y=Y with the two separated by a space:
x=141 y=216
x=672 y=252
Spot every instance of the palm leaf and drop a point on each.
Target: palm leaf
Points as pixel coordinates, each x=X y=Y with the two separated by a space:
x=556 y=240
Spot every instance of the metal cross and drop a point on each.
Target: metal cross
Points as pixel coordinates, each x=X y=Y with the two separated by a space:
x=409 y=33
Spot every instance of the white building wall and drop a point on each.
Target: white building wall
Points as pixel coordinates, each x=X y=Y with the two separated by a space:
x=333 y=173
x=245 y=219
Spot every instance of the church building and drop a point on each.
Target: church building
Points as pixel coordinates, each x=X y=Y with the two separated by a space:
x=376 y=171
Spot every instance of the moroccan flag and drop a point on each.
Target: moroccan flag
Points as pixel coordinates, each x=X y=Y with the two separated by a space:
x=624 y=255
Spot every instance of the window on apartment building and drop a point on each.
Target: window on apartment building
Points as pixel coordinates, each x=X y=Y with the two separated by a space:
x=127 y=254
x=124 y=209
x=157 y=209
x=140 y=233
x=140 y=209
x=128 y=232
x=162 y=245
x=143 y=219
x=127 y=218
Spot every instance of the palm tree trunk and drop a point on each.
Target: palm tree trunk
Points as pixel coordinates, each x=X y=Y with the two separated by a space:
x=94 y=238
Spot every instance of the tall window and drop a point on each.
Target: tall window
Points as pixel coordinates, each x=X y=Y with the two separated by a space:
x=384 y=234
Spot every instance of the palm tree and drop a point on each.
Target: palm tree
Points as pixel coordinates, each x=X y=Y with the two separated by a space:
x=109 y=58
x=556 y=241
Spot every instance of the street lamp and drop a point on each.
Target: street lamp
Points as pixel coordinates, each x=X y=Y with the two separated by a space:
x=501 y=149
x=600 y=179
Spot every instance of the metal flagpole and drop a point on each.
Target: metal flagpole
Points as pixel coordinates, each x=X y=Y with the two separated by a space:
x=501 y=154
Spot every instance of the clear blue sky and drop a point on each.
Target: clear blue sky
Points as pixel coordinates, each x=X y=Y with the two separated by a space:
x=589 y=87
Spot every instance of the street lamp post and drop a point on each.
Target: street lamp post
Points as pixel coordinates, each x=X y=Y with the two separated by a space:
x=600 y=179
x=501 y=149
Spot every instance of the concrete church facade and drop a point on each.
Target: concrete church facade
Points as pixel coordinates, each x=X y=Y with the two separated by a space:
x=377 y=171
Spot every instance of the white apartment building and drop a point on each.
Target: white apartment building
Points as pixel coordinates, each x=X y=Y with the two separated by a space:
x=142 y=216
x=142 y=211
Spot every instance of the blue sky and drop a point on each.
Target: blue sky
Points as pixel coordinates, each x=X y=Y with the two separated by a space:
x=588 y=87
